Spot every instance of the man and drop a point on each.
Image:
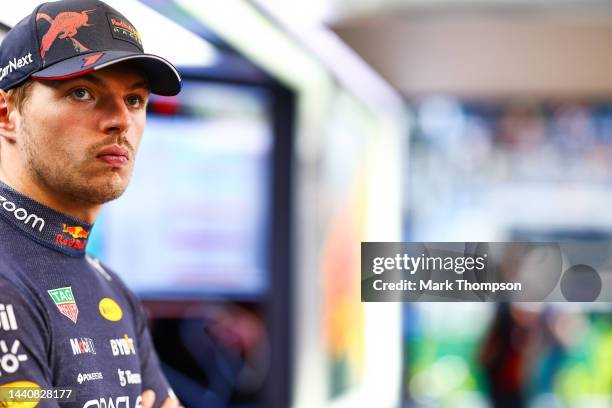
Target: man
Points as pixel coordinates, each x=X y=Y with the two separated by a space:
x=74 y=84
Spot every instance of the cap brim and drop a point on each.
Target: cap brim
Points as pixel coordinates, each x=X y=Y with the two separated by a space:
x=163 y=77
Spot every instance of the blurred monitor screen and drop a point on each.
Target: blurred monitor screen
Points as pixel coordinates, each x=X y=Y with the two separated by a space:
x=195 y=218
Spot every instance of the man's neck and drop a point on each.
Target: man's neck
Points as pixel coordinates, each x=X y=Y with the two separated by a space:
x=78 y=209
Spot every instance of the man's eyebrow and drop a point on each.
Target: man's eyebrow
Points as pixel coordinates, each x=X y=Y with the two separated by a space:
x=141 y=85
x=90 y=78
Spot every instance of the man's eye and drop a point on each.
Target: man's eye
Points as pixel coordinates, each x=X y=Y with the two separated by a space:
x=81 y=94
x=134 y=101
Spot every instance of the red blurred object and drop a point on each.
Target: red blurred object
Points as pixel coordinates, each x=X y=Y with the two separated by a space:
x=165 y=105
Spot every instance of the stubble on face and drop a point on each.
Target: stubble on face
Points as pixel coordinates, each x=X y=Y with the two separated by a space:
x=62 y=172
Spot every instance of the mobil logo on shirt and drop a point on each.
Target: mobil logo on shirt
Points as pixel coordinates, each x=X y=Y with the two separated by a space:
x=123 y=347
x=82 y=345
x=117 y=402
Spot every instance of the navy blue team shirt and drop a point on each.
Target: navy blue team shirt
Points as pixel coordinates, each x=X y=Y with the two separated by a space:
x=65 y=319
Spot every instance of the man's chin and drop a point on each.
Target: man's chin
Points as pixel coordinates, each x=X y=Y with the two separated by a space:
x=103 y=196
x=103 y=190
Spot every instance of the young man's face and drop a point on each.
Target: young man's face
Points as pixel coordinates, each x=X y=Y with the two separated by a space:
x=78 y=137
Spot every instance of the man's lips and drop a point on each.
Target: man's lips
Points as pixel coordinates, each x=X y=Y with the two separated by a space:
x=114 y=155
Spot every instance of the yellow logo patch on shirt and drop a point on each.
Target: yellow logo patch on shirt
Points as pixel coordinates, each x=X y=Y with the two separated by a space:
x=110 y=310
x=13 y=394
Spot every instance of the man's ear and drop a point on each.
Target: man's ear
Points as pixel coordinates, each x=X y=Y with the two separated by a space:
x=7 y=118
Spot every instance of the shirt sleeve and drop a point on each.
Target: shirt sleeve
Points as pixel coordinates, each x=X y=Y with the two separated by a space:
x=24 y=343
x=153 y=377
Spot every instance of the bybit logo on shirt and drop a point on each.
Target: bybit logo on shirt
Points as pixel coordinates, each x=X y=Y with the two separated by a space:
x=21 y=214
x=7 y=318
x=82 y=345
x=123 y=347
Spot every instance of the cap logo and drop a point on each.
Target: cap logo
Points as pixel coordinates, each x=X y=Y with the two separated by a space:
x=14 y=64
x=123 y=30
x=91 y=59
x=64 y=26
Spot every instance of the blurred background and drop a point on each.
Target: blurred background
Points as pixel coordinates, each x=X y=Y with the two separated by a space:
x=305 y=128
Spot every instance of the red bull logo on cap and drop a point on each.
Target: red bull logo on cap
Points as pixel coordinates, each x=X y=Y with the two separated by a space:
x=64 y=26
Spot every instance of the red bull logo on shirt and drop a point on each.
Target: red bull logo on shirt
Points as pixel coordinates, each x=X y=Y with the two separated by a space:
x=76 y=233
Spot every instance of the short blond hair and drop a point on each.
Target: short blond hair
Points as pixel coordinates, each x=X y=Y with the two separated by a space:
x=20 y=94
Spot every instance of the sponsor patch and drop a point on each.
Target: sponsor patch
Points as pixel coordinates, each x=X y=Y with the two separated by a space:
x=123 y=347
x=91 y=59
x=64 y=300
x=20 y=404
x=110 y=310
x=22 y=214
x=7 y=318
x=86 y=377
x=14 y=64
x=126 y=377
x=76 y=232
x=121 y=29
x=110 y=402
x=65 y=25
x=10 y=359
x=72 y=237
x=82 y=345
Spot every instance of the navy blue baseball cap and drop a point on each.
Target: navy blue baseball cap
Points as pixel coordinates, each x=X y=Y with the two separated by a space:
x=69 y=38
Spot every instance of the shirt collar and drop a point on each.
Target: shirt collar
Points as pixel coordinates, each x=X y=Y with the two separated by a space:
x=42 y=224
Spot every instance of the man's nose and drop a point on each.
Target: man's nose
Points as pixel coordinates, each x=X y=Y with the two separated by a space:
x=117 y=116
